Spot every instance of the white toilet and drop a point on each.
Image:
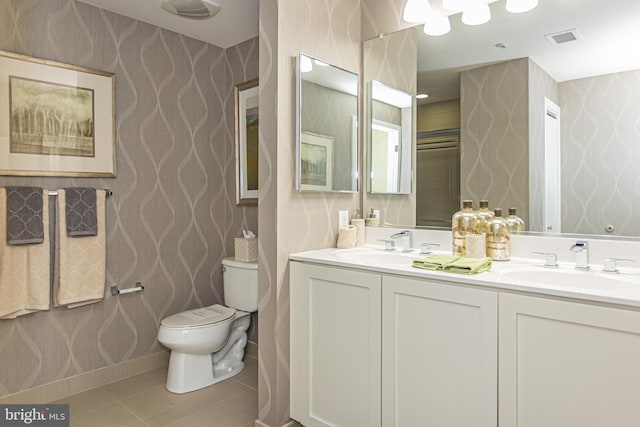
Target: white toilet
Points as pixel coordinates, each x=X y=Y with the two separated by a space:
x=207 y=344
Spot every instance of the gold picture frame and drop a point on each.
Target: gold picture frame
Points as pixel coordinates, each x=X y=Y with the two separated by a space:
x=316 y=162
x=55 y=119
x=246 y=118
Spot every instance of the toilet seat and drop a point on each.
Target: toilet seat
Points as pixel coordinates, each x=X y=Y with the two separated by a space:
x=199 y=317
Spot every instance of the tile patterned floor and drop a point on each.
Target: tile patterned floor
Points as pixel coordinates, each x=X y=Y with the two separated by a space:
x=143 y=401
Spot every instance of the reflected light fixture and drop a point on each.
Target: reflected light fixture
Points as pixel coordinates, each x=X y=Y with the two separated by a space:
x=521 y=6
x=305 y=64
x=416 y=11
x=436 y=25
x=476 y=13
x=422 y=96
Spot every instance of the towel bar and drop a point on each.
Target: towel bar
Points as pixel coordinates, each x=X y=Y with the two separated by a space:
x=107 y=191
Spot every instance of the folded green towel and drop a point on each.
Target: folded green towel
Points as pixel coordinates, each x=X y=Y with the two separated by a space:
x=435 y=261
x=454 y=264
x=469 y=266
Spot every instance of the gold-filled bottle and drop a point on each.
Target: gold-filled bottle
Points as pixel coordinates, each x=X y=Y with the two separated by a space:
x=463 y=222
x=498 y=238
x=516 y=224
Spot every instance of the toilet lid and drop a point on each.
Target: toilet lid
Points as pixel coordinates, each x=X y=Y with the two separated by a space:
x=199 y=316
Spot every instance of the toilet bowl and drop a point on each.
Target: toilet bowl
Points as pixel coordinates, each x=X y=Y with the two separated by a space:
x=207 y=344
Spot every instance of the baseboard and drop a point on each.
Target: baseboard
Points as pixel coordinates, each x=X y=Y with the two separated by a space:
x=251 y=350
x=291 y=423
x=88 y=380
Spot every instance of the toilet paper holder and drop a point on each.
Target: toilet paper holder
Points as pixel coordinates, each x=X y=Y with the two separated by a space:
x=137 y=288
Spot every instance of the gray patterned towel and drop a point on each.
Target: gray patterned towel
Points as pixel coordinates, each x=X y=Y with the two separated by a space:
x=80 y=208
x=24 y=215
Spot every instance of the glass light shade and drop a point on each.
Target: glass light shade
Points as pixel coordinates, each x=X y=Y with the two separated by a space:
x=436 y=25
x=415 y=11
x=476 y=13
x=454 y=5
x=521 y=6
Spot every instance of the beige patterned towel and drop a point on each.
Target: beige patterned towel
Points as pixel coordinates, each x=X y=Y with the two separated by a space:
x=80 y=272
x=25 y=275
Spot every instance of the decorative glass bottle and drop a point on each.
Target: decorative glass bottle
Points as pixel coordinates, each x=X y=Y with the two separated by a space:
x=516 y=224
x=463 y=222
x=498 y=238
x=484 y=214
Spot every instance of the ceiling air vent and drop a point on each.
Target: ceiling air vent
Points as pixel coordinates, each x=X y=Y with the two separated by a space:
x=563 y=37
x=192 y=9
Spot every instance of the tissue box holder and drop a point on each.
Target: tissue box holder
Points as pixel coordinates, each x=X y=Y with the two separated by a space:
x=246 y=249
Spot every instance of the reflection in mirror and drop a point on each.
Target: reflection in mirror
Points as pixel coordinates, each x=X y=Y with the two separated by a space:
x=510 y=90
x=390 y=148
x=327 y=133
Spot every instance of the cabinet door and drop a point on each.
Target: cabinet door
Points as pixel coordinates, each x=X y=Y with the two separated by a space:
x=439 y=354
x=567 y=364
x=335 y=346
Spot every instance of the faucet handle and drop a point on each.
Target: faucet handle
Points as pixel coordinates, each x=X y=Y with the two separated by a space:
x=610 y=264
x=425 y=248
x=550 y=259
x=389 y=245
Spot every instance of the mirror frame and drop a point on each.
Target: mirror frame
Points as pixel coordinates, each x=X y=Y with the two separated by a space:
x=355 y=134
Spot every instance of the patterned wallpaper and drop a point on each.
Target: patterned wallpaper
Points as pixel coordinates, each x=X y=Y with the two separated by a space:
x=600 y=152
x=291 y=221
x=494 y=133
x=172 y=213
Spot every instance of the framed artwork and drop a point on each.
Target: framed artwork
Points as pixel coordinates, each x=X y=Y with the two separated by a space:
x=55 y=119
x=246 y=97
x=316 y=162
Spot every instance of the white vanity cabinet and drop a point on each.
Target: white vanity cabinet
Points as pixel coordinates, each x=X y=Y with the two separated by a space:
x=376 y=350
x=567 y=364
x=439 y=354
x=335 y=346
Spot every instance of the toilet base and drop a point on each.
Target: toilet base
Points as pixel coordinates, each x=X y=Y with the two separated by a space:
x=190 y=372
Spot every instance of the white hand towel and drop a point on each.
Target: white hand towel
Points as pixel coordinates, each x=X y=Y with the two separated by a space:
x=80 y=273
x=25 y=275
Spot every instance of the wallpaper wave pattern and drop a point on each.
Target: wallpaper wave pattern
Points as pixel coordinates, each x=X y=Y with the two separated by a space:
x=173 y=205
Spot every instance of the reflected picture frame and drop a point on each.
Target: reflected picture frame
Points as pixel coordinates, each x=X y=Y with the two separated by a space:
x=246 y=141
x=316 y=162
x=56 y=119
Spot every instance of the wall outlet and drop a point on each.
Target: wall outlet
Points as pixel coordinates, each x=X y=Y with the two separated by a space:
x=343 y=219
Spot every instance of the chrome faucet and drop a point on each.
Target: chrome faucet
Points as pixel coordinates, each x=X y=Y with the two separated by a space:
x=581 y=249
x=405 y=233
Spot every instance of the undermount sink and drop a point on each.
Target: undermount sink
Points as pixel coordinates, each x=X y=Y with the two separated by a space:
x=571 y=278
x=373 y=256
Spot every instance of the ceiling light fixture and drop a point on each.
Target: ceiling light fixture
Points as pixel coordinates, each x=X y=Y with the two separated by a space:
x=191 y=9
x=422 y=96
x=521 y=6
x=416 y=11
x=436 y=25
x=474 y=12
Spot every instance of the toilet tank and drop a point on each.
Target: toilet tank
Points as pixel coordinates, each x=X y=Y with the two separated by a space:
x=240 y=281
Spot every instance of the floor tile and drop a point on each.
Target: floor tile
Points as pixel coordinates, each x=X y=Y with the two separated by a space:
x=235 y=411
x=113 y=415
x=249 y=375
x=88 y=401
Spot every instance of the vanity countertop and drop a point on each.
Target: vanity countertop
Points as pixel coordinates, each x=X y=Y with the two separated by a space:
x=518 y=274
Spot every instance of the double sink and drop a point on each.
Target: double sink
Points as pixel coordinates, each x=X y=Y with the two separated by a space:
x=521 y=271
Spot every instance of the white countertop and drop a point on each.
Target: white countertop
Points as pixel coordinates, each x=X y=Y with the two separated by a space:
x=518 y=274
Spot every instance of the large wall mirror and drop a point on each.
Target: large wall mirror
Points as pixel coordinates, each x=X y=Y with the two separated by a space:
x=327 y=127
x=537 y=111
